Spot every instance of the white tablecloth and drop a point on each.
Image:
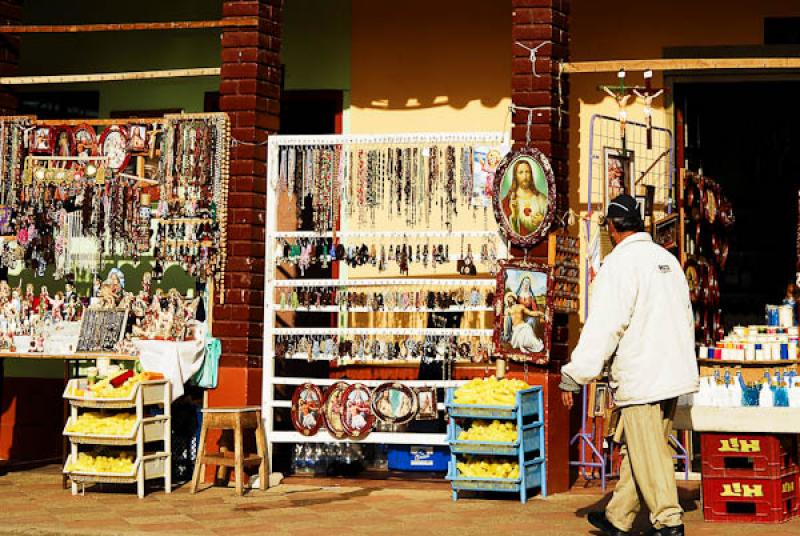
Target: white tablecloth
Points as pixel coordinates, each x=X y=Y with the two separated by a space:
x=177 y=361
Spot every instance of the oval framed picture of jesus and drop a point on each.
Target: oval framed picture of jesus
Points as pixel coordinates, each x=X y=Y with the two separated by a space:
x=524 y=196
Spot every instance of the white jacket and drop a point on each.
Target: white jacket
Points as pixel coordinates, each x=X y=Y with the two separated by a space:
x=640 y=311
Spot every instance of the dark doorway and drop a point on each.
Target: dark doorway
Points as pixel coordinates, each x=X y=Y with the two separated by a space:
x=311 y=112
x=745 y=136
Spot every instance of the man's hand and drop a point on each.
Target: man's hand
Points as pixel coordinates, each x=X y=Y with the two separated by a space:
x=567 y=398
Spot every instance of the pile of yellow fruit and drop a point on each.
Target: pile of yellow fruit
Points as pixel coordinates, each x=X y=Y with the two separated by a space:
x=104 y=389
x=87 y=463
x=505 y=432
x=92 y=422
x=489 y=392
x=487 y=468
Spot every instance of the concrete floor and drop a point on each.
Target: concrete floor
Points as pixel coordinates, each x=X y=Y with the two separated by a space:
x=33 y=502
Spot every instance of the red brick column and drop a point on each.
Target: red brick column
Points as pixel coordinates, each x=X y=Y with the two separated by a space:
x=10 y=13
x=250 y=94
x=535 y=22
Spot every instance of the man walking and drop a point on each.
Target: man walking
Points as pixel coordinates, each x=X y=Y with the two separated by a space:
x=641 y=319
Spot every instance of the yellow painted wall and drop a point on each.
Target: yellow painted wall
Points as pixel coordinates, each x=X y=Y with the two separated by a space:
x=430 y=66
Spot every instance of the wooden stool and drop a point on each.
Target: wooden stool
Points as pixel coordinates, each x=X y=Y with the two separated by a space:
x=236 y=419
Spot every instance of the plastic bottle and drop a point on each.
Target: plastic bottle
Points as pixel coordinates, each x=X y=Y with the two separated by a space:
x=765 y=398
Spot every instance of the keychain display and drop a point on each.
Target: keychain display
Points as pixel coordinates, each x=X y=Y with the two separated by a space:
x=371 y=348
x=420 y=300
x=566 y=273
x=402 y=253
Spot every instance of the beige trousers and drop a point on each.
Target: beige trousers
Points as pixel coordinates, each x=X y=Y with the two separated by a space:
x=647 y=473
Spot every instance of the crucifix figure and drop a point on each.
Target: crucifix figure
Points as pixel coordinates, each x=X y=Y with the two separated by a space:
x=621 y=95
x=648 y=94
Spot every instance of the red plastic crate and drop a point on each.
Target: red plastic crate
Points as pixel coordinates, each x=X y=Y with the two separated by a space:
x=748 y=455
x=751 y=500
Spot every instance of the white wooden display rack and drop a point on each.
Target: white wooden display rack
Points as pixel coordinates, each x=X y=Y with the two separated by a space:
x=146 y=465
x=271 y=380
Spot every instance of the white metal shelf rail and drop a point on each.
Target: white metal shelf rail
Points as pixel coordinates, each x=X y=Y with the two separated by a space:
x=271 y=283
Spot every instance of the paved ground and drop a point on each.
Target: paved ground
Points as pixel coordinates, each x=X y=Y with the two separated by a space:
x=32 y=502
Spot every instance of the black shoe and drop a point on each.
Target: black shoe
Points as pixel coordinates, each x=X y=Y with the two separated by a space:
x=598 y=520
x=668 y=531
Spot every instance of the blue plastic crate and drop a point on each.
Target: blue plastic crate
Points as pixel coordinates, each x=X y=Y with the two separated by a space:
x=527 y=403
x=527 y=414
x=470 y=483
x=530 y=441
x=418 y=458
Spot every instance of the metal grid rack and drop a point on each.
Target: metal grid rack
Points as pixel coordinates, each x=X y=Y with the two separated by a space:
x=270 y=379
x=650 y=166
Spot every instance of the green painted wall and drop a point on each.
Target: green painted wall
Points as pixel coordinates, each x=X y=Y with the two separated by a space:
x=316 y=44
x=98 y=52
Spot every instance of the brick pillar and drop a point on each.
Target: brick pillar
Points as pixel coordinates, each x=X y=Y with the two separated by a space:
x=250 y=94
x=535 y=22
x=10 y=13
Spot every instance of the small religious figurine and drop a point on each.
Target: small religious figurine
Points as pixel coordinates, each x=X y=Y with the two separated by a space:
x=69 y=290
x=30 y=299
x=57 y=304
x=16 y=302
x=147 y=283
x=96 y=284
x=107 y=298
x=117 y=280
x=43 y=303
x=155 y=304
x=648 y=94
x=5 y=292
x=74 y=308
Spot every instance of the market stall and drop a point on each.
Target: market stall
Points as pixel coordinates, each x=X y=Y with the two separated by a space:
x=113 y=250
x=389 y=280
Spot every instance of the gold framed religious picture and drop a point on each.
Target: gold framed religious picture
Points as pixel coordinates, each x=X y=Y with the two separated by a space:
x=85 y=141
x=306 y=409
x=137 y=139
x=666 y=232
x=42 y=140
x=524 y=196
x=394 y=403
x=65 y=142
x=428 y=403
x=618 y=175
x=524 y=311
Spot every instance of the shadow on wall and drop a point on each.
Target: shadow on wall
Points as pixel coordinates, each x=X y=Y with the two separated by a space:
x=421 y=54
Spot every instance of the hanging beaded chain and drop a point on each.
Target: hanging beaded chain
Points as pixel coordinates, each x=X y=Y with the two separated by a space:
x=195 y=175
x=400 y=182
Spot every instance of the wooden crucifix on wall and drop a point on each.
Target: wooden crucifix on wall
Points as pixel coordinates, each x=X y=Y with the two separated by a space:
x=621 y=94
x=648 y=94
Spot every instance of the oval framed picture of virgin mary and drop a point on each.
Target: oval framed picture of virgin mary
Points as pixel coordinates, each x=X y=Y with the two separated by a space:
x=524 y=196
x=306 y=411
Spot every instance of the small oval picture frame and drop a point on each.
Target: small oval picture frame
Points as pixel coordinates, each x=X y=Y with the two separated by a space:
x=357 y=416
x=332 y=409
x=85 y=141
x=524 y=196
x=307 y=409
x=394 y=403
x=114 y=145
